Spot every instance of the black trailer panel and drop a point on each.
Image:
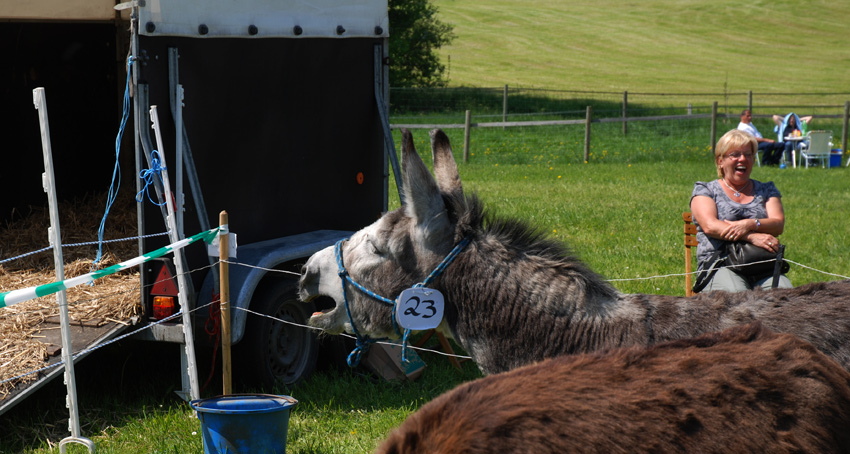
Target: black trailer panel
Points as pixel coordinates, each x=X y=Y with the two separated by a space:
x=285 y=133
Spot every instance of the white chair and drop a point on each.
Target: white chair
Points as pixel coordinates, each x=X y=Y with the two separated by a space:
x=817 y=147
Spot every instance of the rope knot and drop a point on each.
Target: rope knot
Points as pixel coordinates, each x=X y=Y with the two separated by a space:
x=361 y=347
x=148 y=175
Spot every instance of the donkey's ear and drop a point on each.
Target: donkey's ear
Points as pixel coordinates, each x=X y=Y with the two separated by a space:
x=445 y=168
x=422 y=197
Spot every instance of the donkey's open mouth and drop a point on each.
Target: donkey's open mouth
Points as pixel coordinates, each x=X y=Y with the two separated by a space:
x=314 y=286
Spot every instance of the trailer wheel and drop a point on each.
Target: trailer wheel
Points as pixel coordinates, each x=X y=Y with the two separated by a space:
x=276 y=352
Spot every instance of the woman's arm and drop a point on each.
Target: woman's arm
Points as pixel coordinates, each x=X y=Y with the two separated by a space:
x=704 y=211
x=762 y=233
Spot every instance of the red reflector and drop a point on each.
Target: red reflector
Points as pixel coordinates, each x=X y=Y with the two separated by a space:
x=164 y=283
x=163 y=306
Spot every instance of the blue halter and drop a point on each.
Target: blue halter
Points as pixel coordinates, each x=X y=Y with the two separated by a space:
x=363 y=342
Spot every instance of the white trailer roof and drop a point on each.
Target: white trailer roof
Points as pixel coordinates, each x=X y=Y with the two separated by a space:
x=264 y=18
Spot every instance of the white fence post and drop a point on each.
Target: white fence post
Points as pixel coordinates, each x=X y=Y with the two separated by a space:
x=190 y=370
x=40 y=101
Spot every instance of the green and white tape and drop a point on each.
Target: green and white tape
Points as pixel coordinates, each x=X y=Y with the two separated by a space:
x=24 y=294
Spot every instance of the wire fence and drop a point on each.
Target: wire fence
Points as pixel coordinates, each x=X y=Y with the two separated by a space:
x=521 y=103
x=152 y=324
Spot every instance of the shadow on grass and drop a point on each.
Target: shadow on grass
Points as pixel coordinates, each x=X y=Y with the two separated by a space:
x=116 y=383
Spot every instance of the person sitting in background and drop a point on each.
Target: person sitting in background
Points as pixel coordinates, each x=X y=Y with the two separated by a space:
x=782 y=123
x=736 y=208
x=791 y=125
x=771 y=149
x=788 y=128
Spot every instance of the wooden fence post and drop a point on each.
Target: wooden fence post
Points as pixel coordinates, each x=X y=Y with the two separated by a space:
x=466 y=128
x=713 y=126
x=625 y=115
x=844 y=129
x=505 y=106
x=224 y=298
x=588 y=118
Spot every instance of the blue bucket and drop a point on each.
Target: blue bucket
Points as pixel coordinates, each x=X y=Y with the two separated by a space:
x=244 y=423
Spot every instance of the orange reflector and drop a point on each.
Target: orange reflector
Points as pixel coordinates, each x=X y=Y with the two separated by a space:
x=163 y=306
x=360 y=177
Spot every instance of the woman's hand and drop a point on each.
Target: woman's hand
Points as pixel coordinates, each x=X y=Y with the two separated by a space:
x=736 y=230
x=765 y=241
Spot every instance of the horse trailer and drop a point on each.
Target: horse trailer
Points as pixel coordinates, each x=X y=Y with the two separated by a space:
x=275 y=111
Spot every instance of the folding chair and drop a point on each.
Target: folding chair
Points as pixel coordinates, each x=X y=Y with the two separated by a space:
x=817 y=147
x=690 y=241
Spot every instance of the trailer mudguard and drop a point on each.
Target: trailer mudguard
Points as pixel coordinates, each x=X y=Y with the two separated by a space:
x=252 y=264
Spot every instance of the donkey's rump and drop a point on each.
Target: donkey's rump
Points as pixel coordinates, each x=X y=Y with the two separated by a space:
x=746 y=389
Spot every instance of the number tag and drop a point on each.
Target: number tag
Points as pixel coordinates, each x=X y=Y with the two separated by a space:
x=419 y=308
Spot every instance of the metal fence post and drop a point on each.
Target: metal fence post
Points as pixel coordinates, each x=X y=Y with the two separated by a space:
x=713 y=126
x=466 y=128
x=588 y=118
x=750 y=100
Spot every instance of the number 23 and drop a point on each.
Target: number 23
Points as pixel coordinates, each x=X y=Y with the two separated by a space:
x=428 y=306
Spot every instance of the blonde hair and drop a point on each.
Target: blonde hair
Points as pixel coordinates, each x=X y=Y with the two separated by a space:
x=733 y=139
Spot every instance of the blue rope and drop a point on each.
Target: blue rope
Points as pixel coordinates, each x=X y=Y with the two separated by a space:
x=445 y=263
x=147 y=175
x=116 y=171
x=363 y=343
x=88 y=243
x=437 y=271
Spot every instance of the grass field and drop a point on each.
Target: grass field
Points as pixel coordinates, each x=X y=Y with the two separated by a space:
x=620 y=212
x=649 y=46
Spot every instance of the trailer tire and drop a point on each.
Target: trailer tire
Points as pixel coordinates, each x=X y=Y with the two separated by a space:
x=277 y=353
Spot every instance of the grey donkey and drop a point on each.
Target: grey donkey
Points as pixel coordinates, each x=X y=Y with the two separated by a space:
x=513 y=296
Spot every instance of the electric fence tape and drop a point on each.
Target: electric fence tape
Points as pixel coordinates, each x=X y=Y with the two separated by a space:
x=17 y=296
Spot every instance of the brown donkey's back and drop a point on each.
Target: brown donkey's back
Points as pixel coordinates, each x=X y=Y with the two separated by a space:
x=745 y=389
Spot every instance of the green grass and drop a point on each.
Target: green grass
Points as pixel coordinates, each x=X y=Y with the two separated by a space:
x=648 y=46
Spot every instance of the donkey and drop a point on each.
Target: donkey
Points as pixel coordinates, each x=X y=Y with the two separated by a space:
x=513 y=296
x=745 y=389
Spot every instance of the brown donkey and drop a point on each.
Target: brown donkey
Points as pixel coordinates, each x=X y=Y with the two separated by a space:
x=745 y=389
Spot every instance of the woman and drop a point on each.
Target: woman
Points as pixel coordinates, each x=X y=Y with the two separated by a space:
x=736 y=208
x=787 y=127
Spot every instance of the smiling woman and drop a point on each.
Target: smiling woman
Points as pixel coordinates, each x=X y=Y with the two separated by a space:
x=736 y=208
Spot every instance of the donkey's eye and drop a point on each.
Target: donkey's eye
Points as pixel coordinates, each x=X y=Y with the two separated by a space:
x=372 y=247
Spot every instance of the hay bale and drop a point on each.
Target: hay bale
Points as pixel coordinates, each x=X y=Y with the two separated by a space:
x=111 y=298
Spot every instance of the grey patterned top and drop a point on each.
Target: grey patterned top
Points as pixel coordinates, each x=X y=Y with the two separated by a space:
x=729 y=210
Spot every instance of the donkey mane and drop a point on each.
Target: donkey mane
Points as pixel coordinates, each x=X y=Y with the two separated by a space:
x=518 y=233
x=473 y=219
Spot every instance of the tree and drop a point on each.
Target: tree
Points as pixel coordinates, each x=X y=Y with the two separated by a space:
x=415 y=36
